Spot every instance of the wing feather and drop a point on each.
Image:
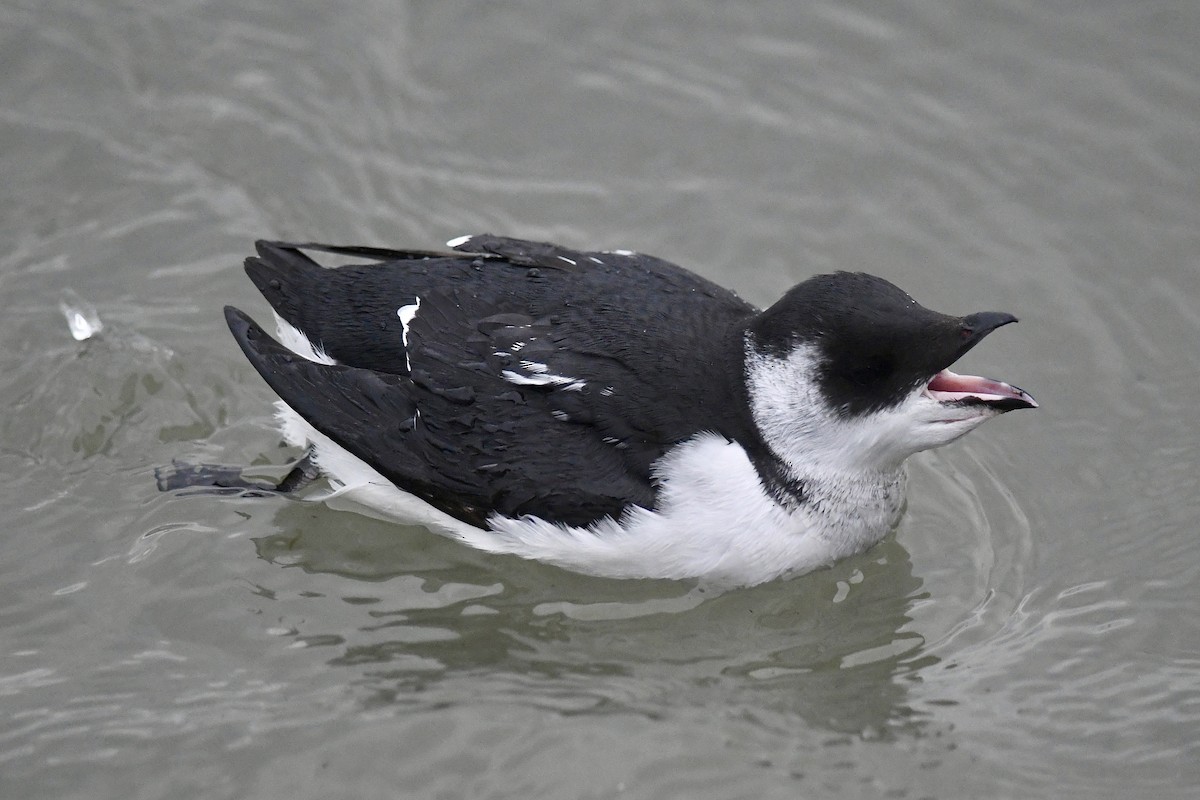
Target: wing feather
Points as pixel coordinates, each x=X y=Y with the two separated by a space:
x=532 y=379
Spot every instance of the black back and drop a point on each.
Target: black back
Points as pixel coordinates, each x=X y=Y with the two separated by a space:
x=653 y=354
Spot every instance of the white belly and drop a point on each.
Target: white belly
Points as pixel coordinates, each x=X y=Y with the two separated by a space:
x=714 y=520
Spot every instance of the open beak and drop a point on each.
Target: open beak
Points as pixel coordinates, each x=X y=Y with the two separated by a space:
x=950 y=387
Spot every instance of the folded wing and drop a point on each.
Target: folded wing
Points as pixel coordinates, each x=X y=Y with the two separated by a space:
x=518 y=378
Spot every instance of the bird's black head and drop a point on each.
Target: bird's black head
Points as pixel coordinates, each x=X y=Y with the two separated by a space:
x=874 y=343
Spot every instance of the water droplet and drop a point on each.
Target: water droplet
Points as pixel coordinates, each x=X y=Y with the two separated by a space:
x=82 y=319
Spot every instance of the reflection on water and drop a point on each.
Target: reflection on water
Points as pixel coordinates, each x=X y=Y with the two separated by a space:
x=833 y=650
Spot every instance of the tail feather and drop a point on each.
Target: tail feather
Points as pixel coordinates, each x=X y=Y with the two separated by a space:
x=368 y=414
x=376 y=253
x=280 y=272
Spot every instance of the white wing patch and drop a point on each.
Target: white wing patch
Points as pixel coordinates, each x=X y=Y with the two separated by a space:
x=542 y=378
x=459 y=241
x=407 y=314
x=295 y=340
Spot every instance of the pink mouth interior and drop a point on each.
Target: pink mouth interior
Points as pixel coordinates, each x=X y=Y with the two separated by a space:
x=948 y=386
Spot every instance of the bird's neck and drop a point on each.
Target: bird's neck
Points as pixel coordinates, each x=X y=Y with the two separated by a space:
x=852 y=510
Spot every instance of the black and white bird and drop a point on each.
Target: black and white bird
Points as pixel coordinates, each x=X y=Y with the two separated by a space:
x=607 y=412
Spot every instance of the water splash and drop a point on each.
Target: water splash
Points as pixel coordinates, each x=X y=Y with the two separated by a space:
x=82 y=318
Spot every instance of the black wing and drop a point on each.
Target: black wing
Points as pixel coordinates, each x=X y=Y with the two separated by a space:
x=542 y=380
x=447 y=445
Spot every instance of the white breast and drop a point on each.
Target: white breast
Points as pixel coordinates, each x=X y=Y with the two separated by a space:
x=714 y=520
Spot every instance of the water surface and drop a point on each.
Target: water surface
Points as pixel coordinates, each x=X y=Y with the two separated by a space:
x=1029 y=631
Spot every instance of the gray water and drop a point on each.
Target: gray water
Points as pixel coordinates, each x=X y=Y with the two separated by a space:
x=1031 y=629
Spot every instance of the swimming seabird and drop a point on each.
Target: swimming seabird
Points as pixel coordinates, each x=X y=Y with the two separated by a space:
x=608 y=412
